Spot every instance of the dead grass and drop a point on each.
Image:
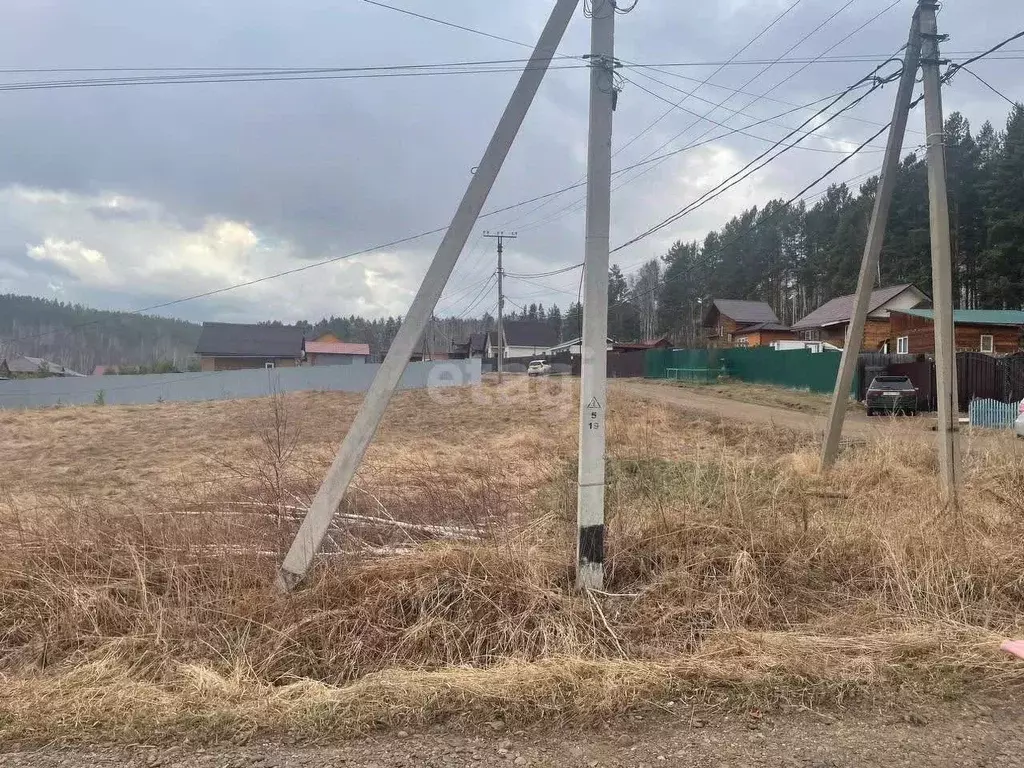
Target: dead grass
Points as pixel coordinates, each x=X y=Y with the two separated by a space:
x=738 y=576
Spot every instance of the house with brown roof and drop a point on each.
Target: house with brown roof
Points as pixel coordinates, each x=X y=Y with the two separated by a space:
x=328 y=349
x=729 y=323
x=831 y=320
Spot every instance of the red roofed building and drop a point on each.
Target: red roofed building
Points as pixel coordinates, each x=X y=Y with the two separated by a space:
x=329 y=350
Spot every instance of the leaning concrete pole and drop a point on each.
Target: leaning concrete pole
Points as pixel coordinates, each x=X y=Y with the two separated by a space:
x=873 y=247
x=942 y=289
x=314 y=527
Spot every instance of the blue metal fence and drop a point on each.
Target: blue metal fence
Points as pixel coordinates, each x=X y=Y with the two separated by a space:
x=985 y=412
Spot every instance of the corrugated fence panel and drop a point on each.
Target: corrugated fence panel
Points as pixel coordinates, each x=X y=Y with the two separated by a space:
x=659 y=362
x=793 y=368
x=225 y=385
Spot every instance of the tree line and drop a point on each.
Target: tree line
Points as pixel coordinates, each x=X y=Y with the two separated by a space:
x=796 y=257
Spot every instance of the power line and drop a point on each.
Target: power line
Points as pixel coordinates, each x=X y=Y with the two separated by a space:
x=647 y=170
x=731 y=181
x=785 y=206
x=988 y=85
x=254 y=78
x=465 y=289
x=659 y=158
x=784 y=80
x=442 y=22
x=722 y=246
x=749 y=43
x=1011 y=55
x=552 y=273
x=740 y=131
x=661 y=117
x=952 y=69
x=479 y=297
x=546 y=287
x=760 y=97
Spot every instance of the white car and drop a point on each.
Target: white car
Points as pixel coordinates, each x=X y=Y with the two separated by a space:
x=1018 y=425
x=538 y=368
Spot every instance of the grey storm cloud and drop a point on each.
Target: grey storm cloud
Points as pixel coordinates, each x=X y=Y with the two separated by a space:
x=311 y=169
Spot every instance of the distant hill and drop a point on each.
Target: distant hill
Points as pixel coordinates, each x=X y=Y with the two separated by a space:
x=82 y=338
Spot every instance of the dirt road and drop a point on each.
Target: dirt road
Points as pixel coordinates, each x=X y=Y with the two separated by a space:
x=857 y=424
x=962 y=735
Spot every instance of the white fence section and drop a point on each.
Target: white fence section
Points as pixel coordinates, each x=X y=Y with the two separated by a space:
x=225 y=385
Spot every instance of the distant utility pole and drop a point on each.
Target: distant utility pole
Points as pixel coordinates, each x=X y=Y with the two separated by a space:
x=314 y=527
x=922 y=50
x=942 y=288
x=501 y=237
x=594 y=385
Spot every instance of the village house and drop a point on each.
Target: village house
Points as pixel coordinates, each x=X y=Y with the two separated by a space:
x=994 y=331
x=328 y=349
x=729 y=323
x=523 y=338
x=24 y=367
x=236 y=346
x=830 y=321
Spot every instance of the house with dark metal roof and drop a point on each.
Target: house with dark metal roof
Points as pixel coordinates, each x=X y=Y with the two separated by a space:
x=830 y=321
x=730 y=322
x=523 y=338
x=474 y=346
x=993 y=331
x=236 y=346
x=25 y=367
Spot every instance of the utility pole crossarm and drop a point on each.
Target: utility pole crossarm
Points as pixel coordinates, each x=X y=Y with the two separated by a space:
x=314 y=527
x=873 y=247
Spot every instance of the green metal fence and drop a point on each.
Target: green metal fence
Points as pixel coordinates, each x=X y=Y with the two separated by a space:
x=795 y=368
x=690 y=364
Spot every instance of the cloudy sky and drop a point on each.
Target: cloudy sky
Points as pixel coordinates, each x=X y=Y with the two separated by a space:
x=126 y=197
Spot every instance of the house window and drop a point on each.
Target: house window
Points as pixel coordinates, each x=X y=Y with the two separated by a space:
x=812 y=335
x=903 y=345
x=269 y=364
x=987 y=343
x=743 y=341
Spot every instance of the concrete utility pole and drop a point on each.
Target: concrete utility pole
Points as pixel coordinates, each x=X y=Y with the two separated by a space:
x=593 y=387
x=942 y=288
x=501 y=237
x=314 y=527
x=876 y=237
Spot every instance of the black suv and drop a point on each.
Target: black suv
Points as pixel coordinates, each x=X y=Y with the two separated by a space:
x=891 y=394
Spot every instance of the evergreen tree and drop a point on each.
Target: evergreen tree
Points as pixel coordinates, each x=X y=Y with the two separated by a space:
x=554 y=320
x=572 y=323
x=1004 y=255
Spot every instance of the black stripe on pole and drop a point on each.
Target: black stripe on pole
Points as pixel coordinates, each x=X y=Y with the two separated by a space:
x=592 y=544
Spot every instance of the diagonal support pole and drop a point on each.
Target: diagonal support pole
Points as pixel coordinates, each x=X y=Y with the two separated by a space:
x=873 y=247
x=314 y=527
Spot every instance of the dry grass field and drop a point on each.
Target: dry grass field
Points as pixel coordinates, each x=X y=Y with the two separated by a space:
x=139 y=546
